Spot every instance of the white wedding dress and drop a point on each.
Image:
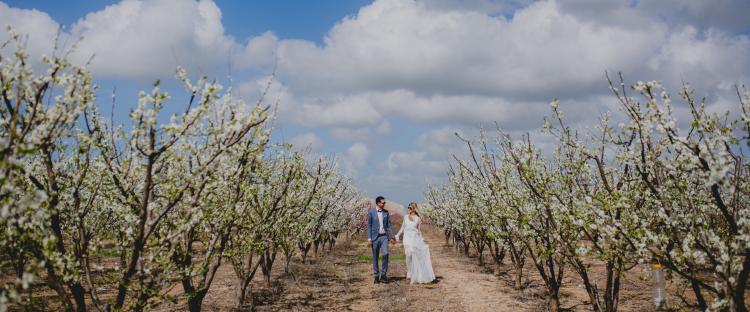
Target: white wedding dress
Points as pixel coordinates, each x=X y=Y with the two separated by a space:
x=418 y=262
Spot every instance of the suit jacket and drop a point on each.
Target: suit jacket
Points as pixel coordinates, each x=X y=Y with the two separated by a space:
x=373 y=225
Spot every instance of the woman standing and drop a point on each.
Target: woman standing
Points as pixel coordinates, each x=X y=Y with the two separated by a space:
x=418 y=262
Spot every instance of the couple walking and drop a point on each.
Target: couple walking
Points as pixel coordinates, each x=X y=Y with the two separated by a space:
x=380 y=233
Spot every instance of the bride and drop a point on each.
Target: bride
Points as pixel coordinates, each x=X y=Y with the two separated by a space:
x=418 y=263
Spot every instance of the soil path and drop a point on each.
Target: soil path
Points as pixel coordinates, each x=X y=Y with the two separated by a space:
x=342 y=281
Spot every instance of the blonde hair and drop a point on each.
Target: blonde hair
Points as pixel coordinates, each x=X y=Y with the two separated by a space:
x=412 y=210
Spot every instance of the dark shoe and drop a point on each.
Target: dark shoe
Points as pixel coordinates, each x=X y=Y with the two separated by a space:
x=377 y=281
x=384 y=279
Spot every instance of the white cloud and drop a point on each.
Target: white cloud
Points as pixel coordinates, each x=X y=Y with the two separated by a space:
x=371 y=109
x=361 y=133
x=348 y=112
x=409 y=172
x=414 y=162
x=443 y=142
x=147 y=39
x=441 y=64
x=259 y=52
x=730 y=15
x=40 y=28
x=385 y=127
x=446 y=61
x=484 y=6
x=426 y=61
x=307 y=141
x=358 y=154
x=428 y=160
x=351 y=134
x=406 y=172
x=395 y=44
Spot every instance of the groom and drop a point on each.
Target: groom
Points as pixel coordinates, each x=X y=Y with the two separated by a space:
x=379 y=232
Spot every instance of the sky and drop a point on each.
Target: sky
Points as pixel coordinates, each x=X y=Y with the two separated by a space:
x=386 y=84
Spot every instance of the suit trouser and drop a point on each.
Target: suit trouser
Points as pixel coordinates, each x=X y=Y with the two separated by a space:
x=380 y=246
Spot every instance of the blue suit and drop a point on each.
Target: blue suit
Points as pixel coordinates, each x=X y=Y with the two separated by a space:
x=379 y=241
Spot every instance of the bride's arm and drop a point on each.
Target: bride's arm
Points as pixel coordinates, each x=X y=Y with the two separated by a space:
x=401 y=230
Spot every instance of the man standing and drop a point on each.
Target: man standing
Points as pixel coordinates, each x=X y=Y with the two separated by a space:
x=379 y=233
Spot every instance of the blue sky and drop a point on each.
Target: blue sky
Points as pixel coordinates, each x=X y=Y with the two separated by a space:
x=308 y=20
x=386 y=84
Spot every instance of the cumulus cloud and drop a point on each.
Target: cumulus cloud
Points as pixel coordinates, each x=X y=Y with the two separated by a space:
x=443 y=142
x=439 y=65
x=730 y=15
x=385 y=127
x=404 y=45
x=406 y=173
x=489 y=7
x=307 y=141
x=435 y=62
x=347 y=112
x=372 y=109
x=146 y=39
x=428 y=159
x=39 y=28
x=361 y=133
x=149 y=39
x=351 y=134
x=358 y=154
x=415 y=161
x=426 y=61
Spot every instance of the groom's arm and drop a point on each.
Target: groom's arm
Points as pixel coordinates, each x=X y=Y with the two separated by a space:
x=389 y=229
x=369 y=227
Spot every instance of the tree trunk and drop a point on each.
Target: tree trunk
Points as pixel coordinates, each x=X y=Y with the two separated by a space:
x=613 y=300
x=612 y=294
x=554 y=302
x=518 y=260
x=288 y=259
x=140 y=238
x=305 y=249
x=242 y=294
x=266 y=265
x=79 y=295
x=518 y=284
x=551 y=271
x=480 y=252
x=265 y=270
x=702 y=304
x=196 y=301
x=498 y=254
x=742 y=280
x=591 y=288
x=20 y=264
x=245 y=276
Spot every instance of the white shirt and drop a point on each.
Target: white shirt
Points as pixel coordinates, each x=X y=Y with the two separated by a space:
x=380 y=219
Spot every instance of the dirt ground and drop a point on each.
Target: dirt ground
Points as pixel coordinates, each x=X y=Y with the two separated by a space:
x=342 y=281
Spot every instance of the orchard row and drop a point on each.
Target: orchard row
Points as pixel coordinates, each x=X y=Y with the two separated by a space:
x=647 y=190
x=112 y=217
